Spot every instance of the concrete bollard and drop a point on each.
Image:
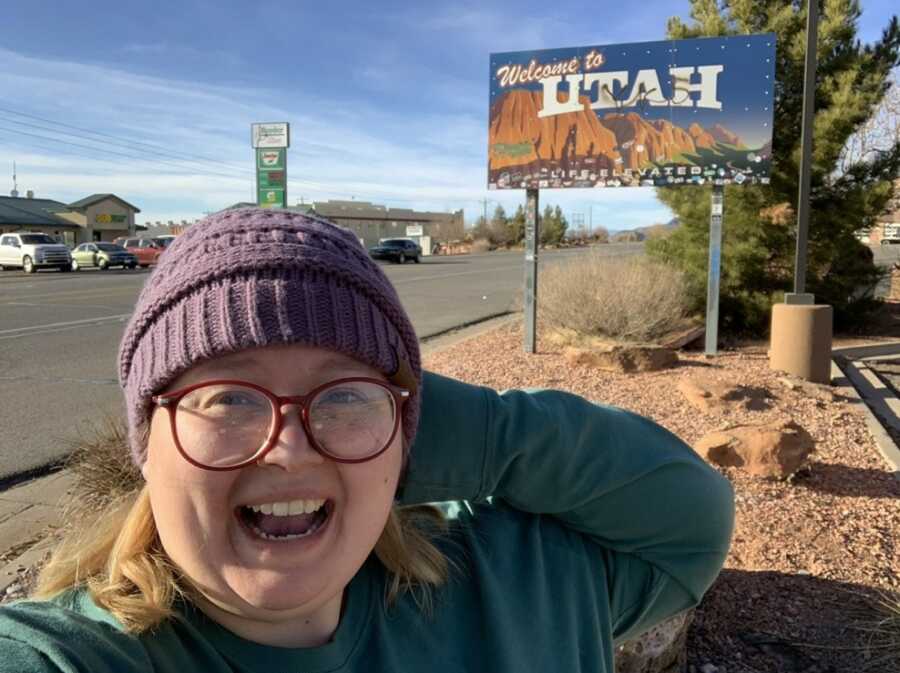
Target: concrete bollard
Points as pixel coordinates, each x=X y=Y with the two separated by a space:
x=801 y=341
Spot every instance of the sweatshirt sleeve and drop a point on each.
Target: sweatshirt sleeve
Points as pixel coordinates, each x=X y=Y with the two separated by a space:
x=661 y=516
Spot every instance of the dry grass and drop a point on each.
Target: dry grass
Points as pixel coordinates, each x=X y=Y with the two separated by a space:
x=481 y=245
x=101 y=462
x=630 y=298
x=881 y=633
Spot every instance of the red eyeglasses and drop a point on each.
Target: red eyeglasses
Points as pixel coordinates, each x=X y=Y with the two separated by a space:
x=229 y=424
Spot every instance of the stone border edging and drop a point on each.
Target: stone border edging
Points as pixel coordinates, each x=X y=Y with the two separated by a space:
x=880 y=405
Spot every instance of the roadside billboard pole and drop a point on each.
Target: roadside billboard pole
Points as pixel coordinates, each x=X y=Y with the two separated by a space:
x=532 y=239
x=801 y=331
x=806 y=132
x=716 y=214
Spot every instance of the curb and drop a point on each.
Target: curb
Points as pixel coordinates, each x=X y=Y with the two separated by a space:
x=880 y=405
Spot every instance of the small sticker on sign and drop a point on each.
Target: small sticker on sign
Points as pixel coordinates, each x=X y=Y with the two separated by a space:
x=717 y=209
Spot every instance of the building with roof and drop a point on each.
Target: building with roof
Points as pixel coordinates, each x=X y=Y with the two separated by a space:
x=373 y=223
x=887 y=227
x=99 y=217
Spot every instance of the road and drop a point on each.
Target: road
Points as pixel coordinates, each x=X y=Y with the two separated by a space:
x=885 y=256
x=59 y=335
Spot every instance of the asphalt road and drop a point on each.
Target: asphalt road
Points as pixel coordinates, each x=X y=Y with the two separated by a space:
x=59 y=335
x=885 y=256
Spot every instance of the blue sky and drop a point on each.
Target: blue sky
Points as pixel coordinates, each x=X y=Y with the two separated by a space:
x=387 y=101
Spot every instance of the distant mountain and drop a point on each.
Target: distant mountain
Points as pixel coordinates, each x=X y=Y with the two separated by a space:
x=551 y=138
x=640 y=233
x=723 y=135
x=518 y=137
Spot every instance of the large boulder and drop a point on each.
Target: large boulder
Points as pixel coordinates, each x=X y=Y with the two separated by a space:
x=708 y=395
x=773 y=450
x=662 y=649
x=624 y=359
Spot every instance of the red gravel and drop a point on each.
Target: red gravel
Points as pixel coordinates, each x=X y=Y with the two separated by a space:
x=809 y=558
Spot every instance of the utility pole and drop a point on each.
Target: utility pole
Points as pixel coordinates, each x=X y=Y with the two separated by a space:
x=484 y=203
x=591 y=219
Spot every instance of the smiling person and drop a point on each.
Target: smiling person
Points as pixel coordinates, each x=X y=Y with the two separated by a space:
x=290 y=443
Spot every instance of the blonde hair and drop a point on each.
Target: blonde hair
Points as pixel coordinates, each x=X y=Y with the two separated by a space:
x=119 y=559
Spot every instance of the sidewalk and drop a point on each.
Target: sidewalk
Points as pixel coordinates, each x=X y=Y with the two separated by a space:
x=882 y=406
x=30 y=511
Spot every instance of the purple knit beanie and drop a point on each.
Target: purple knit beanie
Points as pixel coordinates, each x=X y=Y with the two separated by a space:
x=251 y=277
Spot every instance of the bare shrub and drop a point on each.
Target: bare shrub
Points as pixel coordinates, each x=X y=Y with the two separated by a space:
x=481 y=245
x=627 y=298
x=101 y=462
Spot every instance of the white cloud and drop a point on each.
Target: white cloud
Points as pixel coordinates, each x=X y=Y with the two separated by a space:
x=391 y=155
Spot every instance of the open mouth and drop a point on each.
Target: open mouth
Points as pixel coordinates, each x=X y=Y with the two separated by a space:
x=281 y=522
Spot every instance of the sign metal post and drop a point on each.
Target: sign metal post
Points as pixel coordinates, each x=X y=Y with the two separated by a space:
x=715 y=263
x=532 y=238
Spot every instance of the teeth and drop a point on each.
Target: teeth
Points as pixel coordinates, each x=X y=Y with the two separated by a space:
x=291 y=508
x=281 y=538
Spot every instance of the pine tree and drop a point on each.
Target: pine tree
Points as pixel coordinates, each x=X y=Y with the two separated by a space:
x=759 y=230
x=498 y=231
x=517 y=226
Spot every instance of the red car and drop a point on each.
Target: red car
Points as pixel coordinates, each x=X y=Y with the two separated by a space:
x=146 y=250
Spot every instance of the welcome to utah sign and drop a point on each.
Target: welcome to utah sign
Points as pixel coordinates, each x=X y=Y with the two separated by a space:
x=650 y=114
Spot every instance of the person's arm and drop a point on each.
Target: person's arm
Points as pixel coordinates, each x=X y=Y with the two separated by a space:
x=661 y=516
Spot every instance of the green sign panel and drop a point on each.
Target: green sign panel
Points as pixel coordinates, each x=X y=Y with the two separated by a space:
x=270 y=160
x=271 y=177
x=271 y=198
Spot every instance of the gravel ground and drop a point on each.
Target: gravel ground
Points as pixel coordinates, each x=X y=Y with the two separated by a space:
x=810 y=558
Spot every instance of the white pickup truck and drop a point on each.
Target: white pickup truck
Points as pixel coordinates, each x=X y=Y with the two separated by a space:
x=30 y=250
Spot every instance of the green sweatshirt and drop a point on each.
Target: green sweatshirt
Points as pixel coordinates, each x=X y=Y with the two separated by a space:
x=582 y=525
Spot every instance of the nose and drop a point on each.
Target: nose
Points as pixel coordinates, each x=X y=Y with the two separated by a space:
x=292 y=450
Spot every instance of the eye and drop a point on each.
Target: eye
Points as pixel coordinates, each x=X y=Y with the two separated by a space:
x=341 y=396
x=232 y=399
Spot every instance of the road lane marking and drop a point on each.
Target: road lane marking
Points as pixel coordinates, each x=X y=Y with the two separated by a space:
x=71 y=323
x=74 y=294
x=64 y=379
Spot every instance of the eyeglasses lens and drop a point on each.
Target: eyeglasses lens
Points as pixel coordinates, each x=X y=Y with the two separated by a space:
x=354 y=419
x=222 y=425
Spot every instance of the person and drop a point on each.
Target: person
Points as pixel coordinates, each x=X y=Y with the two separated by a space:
x=292 y=449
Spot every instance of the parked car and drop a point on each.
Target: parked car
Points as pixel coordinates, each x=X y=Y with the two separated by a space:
x=32 y=250
x=165 y=240
x=397 y=249
x=146 y=250
x=890 y=241
x=102 y=255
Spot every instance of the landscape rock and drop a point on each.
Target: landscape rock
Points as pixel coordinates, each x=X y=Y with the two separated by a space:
x=818 y=391
x=662 y=649
x=773 y=450
x=709 y=395
x=683 y=338
x=624 y=359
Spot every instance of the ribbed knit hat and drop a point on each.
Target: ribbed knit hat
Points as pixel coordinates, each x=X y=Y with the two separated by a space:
x=251 y=277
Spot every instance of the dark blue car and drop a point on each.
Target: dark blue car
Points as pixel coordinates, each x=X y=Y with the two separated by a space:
x=397 y=250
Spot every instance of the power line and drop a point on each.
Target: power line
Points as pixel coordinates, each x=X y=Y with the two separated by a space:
x=102 y=148
x=127 y=156
x=66 y=151
x=154 y=148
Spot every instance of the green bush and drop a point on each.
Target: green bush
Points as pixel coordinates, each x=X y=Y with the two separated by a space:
x=848 y=193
